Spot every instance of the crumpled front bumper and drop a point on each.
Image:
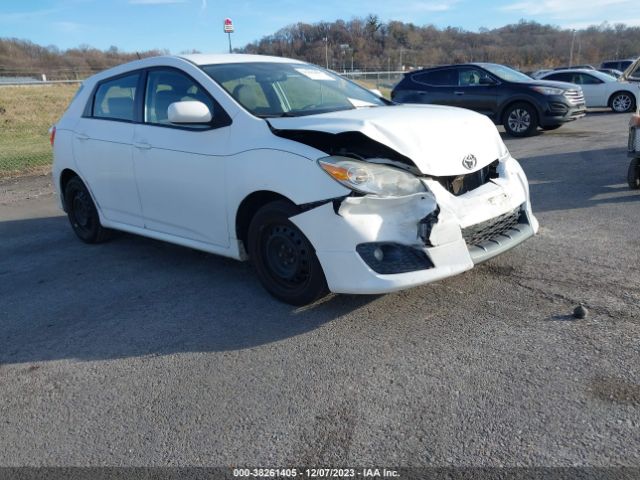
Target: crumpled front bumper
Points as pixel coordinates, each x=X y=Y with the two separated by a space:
x=431 y=224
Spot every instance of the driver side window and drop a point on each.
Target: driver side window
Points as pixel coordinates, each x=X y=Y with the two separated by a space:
x=165 y=87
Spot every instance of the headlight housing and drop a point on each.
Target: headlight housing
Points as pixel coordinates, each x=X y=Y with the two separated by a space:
x=371 y=178
x=548 y=90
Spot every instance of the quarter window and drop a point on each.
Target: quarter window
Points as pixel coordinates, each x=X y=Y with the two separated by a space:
x=165 y=87
x=115 y=99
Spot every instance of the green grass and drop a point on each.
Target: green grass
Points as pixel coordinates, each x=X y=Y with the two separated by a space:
x=26 y=113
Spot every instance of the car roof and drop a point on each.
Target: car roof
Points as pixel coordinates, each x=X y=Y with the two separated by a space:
x=211 y=59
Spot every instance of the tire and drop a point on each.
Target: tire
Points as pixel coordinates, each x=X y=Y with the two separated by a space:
x=551 y=127
x=633 y=175
x=622 y=102
x=520 y=120
x=82 y=212
x=285 y=261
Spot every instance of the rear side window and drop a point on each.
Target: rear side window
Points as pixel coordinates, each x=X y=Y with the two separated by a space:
x=439 y=78
x=560 y=77
x=115 y=99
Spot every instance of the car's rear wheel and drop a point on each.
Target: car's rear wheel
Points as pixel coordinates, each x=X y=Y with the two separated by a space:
x=520 y=120
x=633 y=175
x=551 y=127
x=285 y=261
x=622 y=102
x=82 y=212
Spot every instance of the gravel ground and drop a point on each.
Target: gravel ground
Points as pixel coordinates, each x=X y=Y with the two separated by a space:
x=137 y=352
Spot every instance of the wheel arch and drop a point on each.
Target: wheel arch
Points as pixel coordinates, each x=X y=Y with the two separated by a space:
x=248 y=208
x=66 y=175
x=617 y=92
x=513 y=101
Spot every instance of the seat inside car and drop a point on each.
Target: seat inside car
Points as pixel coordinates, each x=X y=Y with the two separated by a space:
x=246 y=96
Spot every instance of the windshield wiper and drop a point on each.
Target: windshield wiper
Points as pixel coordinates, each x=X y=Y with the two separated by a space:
x=278 y=115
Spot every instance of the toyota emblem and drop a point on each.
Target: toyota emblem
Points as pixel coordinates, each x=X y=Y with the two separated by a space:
x=469 y=162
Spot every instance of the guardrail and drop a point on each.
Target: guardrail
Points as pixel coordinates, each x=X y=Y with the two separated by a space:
x=38 y=82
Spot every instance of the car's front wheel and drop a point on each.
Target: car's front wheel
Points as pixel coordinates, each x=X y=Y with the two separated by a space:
x=633 y=175
x=520 y=120
x=285 y=261
x=622 y=102
x=82 y=212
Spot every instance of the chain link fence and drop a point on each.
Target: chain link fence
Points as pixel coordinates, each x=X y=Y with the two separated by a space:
x=30 y=108
x=26 y=114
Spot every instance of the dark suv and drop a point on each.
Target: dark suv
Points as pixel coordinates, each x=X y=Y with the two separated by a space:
x=507 y=96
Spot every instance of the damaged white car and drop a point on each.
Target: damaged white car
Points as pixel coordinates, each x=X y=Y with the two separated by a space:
x=322 y=184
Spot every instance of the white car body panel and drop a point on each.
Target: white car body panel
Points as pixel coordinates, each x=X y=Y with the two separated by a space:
x=186 y=187
x=598 y=95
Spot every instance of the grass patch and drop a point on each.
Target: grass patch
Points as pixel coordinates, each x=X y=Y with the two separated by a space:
x=26 y=113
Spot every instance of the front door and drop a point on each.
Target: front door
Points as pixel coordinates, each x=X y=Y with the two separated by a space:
x=180 y=170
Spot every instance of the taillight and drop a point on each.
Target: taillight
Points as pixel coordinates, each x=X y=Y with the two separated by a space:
x=52 y=135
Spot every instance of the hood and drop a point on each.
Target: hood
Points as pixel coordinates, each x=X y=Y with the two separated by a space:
x=552 y=83
x=435 y=138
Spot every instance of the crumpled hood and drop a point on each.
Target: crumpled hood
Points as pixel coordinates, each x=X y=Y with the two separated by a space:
x=435 y=138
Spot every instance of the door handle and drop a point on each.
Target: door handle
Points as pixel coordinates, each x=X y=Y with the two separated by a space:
x=142 y=145
x=458 y=93
x=82 y=136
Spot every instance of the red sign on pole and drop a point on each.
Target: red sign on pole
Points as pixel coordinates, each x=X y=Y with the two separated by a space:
x=228 y=25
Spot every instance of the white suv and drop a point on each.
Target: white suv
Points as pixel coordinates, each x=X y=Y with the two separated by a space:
x=321 y=183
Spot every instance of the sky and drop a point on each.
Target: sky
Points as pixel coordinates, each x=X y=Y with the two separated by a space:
x=182 y=25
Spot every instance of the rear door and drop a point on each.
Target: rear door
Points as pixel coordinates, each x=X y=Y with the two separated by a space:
x=436 y=86
x=102 y=148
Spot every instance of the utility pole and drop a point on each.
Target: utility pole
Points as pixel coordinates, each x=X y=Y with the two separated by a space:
x=573 y=39
x=326 y=52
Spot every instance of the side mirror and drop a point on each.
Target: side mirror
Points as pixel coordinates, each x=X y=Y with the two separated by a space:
x=189 y=112
x=487 y=81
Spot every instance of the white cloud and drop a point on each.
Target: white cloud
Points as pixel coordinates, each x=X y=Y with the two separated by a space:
x=569 y=8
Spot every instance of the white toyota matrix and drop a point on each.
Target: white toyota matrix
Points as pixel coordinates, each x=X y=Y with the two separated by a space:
x=322 y=184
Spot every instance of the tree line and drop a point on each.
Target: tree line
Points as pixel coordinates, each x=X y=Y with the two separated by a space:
x=368 y=43
x=365 y=44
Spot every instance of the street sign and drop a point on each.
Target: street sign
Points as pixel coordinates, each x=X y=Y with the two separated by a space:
x=228 y=25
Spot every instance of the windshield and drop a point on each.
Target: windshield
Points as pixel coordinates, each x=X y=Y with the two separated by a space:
x=505 y=73
x=268 y=89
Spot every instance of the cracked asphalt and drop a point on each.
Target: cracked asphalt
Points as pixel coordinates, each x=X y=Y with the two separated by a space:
x=138 y=353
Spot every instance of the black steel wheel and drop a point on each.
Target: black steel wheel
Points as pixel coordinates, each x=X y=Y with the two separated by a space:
x=520 y=120
x=283 y=257
x=82 y=212
x=633 y=175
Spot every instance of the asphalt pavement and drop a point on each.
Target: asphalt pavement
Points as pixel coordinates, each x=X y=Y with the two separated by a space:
x=136 y=352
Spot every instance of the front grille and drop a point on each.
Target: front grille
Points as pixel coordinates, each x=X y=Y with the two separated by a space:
x=461 y=184
x=575 y=97
x=632 y=139
x=486 y=231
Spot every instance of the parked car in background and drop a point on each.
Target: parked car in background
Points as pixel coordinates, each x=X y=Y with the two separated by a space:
x=539 y=73
x=323 y=185
x=600 y=89
x=582 y=67
x=611 y=71
x=507 y=96
x=621 y=65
